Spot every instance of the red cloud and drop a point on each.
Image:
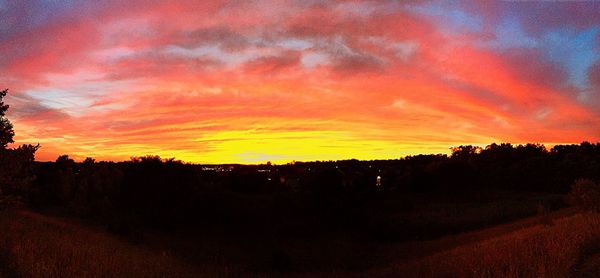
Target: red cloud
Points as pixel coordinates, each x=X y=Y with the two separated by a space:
x=206 y=81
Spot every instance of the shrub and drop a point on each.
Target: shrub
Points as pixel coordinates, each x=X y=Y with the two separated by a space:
x=585 y=194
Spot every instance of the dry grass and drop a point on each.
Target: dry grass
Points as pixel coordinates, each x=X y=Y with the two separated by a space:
x=560 y=250
x=33 y=245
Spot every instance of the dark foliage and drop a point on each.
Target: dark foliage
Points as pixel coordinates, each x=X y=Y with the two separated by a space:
x=15 y=163
x=6 y=128
x=585 y=194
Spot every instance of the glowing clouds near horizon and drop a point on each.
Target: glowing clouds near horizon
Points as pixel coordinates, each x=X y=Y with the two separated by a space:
x=249 y=82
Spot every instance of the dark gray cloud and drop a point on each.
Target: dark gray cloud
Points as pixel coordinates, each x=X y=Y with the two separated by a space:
x=222 y=36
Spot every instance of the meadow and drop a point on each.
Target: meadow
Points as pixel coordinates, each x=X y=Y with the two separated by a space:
x=568 y=246
x=42 y=245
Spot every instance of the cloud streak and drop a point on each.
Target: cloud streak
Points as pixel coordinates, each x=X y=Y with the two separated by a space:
x=281 y=80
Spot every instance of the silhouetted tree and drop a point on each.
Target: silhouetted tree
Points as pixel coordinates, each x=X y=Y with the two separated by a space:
x=96 y=188
x=465 y=152
x=89 y=161
x=15 y=164
x=66 y=178
x=6 y=128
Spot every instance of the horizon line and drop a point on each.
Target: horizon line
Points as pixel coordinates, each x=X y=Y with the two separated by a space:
x=548 y=146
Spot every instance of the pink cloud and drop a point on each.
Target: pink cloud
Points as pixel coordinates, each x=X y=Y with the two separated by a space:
x=205 y=79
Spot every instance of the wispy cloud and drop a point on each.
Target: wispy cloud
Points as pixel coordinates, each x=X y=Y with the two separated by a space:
x=222 y=81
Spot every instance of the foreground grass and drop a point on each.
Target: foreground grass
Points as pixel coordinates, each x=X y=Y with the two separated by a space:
x=33 y=245
x=568 y=247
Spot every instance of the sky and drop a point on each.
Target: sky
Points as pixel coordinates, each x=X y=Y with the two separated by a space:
x=284 y=80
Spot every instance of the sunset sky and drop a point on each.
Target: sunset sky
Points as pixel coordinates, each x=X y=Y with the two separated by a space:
x=256 y=81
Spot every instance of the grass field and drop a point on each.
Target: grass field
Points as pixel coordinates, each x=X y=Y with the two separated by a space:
x=567 y=246
x=34 y=245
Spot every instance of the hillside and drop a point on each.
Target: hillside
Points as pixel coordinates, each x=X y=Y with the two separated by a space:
x=34 y=245
x=567 y=245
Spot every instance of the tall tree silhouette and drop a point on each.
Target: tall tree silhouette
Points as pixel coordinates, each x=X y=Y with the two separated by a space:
x=15 y=163
x=6 y=128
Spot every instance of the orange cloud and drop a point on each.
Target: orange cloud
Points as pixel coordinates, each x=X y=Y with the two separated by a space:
x=221 y=82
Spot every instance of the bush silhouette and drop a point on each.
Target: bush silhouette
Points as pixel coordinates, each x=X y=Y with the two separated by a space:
x=585 y=194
